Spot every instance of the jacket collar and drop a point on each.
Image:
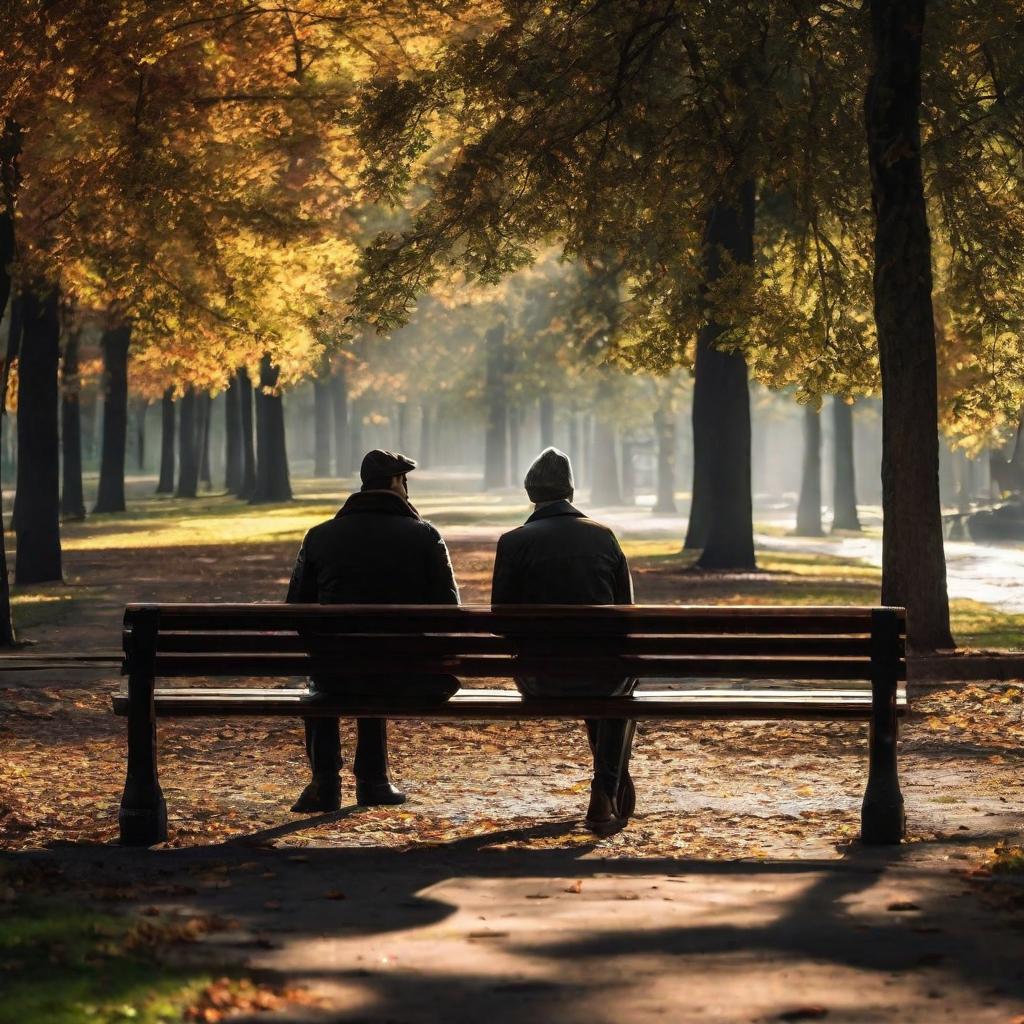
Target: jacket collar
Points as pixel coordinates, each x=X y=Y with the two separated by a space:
x=556 y=508
x=381 y=502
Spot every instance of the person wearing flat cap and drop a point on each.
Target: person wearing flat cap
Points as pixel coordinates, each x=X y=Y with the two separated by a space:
x=559 y=556
x=376 y=550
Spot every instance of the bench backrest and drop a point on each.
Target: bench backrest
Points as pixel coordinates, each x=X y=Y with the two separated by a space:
x=646 y=641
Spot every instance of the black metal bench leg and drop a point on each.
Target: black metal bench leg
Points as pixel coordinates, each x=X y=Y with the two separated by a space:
x=883 y=819
x=143 y=816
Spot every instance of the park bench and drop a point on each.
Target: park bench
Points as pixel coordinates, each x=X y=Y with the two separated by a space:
x=806 y=661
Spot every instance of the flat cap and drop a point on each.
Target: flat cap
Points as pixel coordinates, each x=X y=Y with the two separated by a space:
x=550 y=477
x=379 y=466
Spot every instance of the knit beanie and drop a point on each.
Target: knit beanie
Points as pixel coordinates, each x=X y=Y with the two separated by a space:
x=550 y=477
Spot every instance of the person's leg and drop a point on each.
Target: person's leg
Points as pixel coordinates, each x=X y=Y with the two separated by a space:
x=373 y=783
x=323 y=748
x=613 y=796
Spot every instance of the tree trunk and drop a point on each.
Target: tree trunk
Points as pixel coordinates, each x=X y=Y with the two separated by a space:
x=496 y=397
x=665 y=435
x=272 y=483
x=808 y=509
x=234 y=469
x=426 y=452
x=844 y=480
x=204 y=416
x=628 y=473
x=321 y=428
x=721 y=516
x=9 y=149
x=355 y=433
x=141 y=411
x=514 y=436
x=38 y=558
x=110 y=496
x=188 y=449
x=913 y=560
x=72 y=498
x=245 y=403
x=165 y=484
x=604 y=466
x=403 y=427
x=575 y=447
x=547 y=421
x=342 y=444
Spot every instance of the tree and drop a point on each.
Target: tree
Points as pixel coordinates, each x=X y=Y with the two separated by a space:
x=72 y=499
x=188 y=448
x=165 y=483
x=339 y=397
x=321 y=427
x=234 y=463
x=272 y=483
x=245 y=402
x=496 y=467
x=38 y=557
x=913 y=562
x=115 y=342
x=722 y=505
x=665 y=439
x=844 y=481
x=808 y=510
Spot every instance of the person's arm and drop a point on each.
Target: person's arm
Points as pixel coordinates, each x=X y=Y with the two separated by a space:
x=443 y=588
x=302 y=588
x=505 y=581
x=623 y=579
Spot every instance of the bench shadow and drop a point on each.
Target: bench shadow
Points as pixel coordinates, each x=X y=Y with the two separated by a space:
x=579 y=972
x=563 y=972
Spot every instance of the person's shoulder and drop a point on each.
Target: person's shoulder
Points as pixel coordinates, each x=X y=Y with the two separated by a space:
x=598 y=528
x=428 y=529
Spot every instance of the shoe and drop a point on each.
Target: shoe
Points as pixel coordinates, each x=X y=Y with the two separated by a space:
x=603 y=817
x=378 y=794
x=320 y=796
x=627 y=796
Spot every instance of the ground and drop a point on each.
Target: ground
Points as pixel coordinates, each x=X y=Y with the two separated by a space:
x=738 y=893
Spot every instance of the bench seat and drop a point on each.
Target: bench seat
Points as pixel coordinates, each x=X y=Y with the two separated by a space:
x=791 y=703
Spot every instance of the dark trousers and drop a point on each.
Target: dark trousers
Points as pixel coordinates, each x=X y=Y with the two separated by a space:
x=611 y=739
x=323 y=747
x=323 y=735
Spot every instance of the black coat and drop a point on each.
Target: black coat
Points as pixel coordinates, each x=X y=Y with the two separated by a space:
x=376 y=550
x=559 y=556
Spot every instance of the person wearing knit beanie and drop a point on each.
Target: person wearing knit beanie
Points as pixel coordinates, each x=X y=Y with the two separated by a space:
x=559 y=556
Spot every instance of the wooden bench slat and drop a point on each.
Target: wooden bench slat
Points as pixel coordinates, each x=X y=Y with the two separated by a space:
x=501 y=667
x=478 y=643
x=799 y=704
x=525 y=620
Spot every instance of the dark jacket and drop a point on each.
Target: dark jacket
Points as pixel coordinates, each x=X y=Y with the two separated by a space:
x=376 y=550
x=559 y=556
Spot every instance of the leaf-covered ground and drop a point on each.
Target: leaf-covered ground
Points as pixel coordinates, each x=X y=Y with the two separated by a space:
x=483 y=894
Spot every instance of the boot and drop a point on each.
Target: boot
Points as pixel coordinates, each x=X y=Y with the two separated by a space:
x=322 y=795
x=603 y=817
x=373 y=784
x=378 y=794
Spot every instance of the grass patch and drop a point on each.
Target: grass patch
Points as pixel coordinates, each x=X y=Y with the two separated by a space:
x=976 y=624
x=49 y=606
x=64 y=966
